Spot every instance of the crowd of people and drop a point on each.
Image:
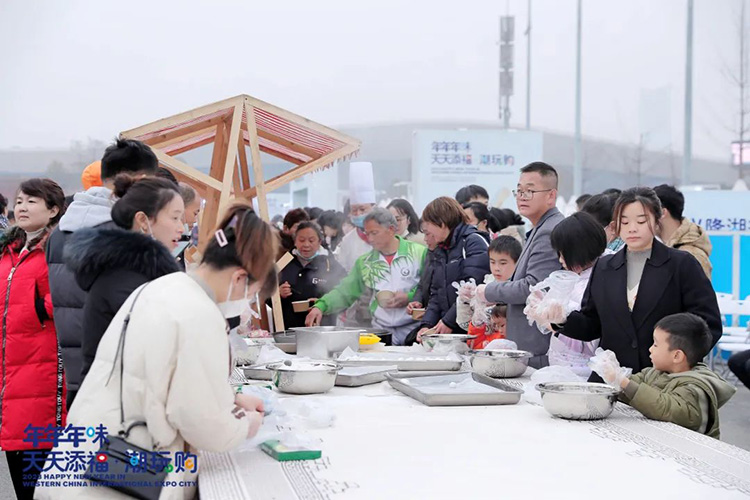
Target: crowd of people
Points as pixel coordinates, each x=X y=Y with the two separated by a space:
x=111 y=261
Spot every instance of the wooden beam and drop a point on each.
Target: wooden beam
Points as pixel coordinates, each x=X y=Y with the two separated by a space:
x=282 y=156
x=182 y=117
x=191 y=147
x=296 y=173
x=230 y=158
x=188 y=171
x=211 y=215
x=244 y=168
x=278 y=316
x=176 y=136
x=299 y=148
x=299 y=120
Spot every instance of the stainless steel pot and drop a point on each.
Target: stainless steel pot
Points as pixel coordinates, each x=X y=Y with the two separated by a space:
x=578 y=400
x=304 y=377
x=500 y=363
x=323 y=342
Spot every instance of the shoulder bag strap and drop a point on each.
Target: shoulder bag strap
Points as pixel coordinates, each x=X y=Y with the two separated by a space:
x=121 y=354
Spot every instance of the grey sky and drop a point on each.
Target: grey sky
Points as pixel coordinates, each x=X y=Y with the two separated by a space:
x=77 y=69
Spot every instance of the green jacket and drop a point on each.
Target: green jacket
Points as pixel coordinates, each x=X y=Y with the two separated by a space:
x=372 y=271
x=676 y=397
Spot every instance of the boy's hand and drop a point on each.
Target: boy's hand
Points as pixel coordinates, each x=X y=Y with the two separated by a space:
x=480 y=293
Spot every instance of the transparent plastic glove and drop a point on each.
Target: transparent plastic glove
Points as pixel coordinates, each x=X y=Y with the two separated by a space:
x=465 y=289
x=481 y=314
x=605 y=364
x=463 y=312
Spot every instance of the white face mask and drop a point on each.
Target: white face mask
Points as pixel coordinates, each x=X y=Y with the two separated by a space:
x=150 y=231
x=234 y=308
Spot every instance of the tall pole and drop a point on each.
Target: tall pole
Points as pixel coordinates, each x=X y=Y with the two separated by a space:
x=742 y=89
x=528 y=69
x=577 y=167
x=687 y=157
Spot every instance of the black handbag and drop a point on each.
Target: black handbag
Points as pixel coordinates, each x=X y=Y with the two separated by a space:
x=130 y=469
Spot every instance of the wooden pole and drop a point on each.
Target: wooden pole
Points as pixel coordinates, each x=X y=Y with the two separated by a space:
x=260 y=186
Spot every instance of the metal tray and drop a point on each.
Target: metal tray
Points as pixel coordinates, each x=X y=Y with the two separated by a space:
x=356 y=376
x=405 y=362
x=436 y=390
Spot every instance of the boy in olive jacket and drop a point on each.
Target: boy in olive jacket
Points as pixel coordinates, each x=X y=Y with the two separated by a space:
x=679 y=388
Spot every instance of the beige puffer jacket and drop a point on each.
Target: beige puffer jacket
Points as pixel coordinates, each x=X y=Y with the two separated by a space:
x=691 y=238
x=175 y=378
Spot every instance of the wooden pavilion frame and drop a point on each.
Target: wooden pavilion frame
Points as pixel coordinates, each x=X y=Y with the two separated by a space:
x=231 y=125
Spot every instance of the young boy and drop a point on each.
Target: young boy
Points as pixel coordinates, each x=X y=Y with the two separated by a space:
x=679 y=388
x=504 y=252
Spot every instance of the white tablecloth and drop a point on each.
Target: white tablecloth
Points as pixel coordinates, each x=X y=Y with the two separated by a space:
x=386 y=445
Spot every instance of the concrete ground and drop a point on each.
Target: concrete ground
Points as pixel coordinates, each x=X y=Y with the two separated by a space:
x=735 y=429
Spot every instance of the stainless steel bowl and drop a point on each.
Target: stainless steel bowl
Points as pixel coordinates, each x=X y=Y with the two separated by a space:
x=500 y=363
x=304 y=377
x=578 y=400
x=251 y=353
x=444 y=343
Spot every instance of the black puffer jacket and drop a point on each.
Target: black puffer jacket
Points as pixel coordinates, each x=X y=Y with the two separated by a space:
x=110 y=264
x=465 y=258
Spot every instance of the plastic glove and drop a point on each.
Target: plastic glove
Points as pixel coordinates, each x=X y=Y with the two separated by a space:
x=605 y=364
x=463 y=312
x=466 y=289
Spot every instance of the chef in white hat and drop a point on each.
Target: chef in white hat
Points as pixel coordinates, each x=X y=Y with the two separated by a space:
x=362 y=201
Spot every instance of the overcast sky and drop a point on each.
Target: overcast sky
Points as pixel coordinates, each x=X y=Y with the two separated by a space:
x=77 y=69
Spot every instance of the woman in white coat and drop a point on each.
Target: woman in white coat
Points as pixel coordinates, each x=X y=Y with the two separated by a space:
x=176 y=363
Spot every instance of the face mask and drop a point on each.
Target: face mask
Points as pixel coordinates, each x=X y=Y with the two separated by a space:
x=359 y=221
x=150 y=231
x=234 y=308
x=307 y=259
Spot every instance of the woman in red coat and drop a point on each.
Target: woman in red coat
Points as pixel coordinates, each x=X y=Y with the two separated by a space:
x=32 y=388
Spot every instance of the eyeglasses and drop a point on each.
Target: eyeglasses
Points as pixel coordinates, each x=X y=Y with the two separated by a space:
x=529 y=194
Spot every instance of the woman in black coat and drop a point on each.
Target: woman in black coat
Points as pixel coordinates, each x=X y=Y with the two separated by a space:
x=461 y=254
x=309 y=275
x=631 y=290
x=110 y=264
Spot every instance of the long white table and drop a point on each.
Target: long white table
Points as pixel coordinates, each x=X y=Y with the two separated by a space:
x=386 y=445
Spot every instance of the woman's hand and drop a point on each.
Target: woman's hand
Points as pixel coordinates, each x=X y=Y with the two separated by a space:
x=255 y=419
x=314 y=317
x=249 y=403
x=285 y=290
x=413 y=305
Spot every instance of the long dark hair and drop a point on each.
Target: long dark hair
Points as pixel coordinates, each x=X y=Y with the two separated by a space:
x=405 y=208
x=248 y=242
x=148 y=195
x=643 y=195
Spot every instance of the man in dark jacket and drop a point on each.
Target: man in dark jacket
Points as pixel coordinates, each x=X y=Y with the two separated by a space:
x=536 y=195
x=90 y=208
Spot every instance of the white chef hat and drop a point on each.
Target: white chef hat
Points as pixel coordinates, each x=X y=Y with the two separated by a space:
x=361 y=183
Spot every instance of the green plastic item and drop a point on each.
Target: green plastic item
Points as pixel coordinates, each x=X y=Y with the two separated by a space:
x=282 y=453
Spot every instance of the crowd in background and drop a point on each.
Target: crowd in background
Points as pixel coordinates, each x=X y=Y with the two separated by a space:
x=84 y=270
